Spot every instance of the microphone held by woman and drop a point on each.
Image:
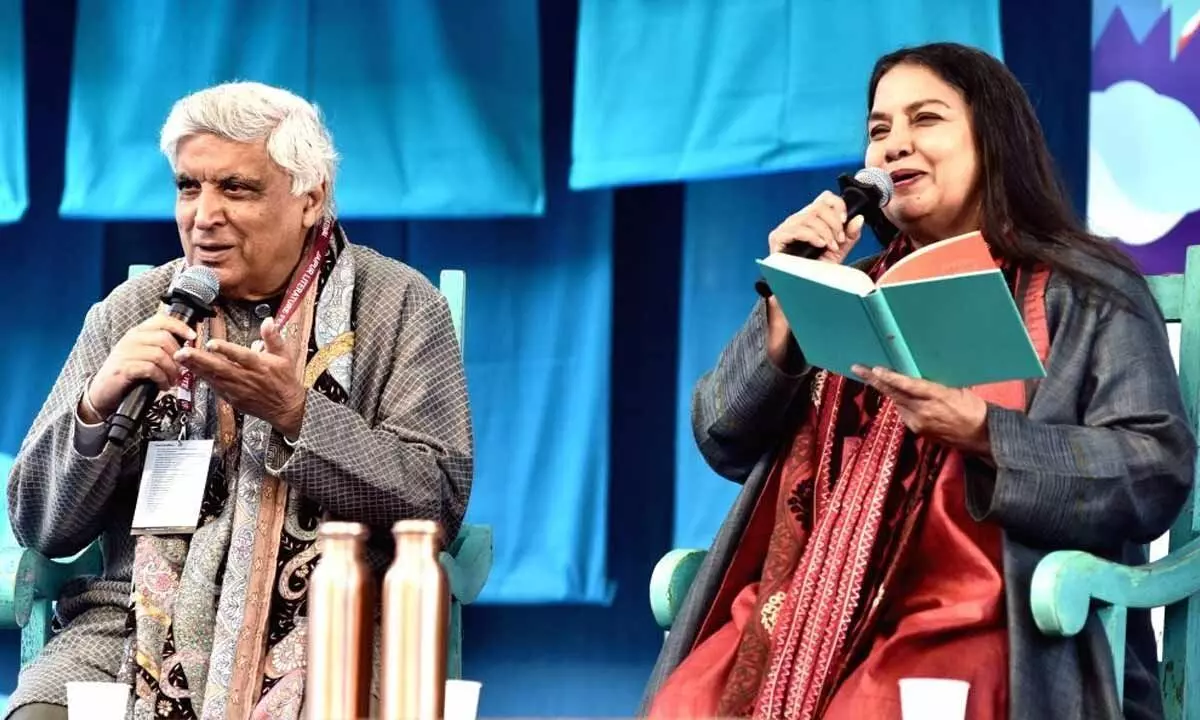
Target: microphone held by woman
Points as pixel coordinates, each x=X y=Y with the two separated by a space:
x=868 y=188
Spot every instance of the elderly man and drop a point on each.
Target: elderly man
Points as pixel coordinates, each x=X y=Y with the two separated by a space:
x=346 y=401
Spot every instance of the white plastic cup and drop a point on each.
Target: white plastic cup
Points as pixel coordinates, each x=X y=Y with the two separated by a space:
x=933 y=698
x=97 y=700
x=462 y=699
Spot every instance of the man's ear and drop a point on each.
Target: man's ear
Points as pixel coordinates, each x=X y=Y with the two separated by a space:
x=314 y=205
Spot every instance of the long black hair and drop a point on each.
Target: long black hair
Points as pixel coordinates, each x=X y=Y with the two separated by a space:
x=1025 y=214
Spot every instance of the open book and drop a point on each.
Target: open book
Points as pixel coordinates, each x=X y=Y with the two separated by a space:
x=943 y=313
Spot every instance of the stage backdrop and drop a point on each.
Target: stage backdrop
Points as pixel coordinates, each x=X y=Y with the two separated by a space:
x=552 y=298
x=1145 y=134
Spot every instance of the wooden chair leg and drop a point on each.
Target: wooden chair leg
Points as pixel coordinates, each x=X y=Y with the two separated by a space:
x=36 y=632
x=1113 y=619
x=454 y=642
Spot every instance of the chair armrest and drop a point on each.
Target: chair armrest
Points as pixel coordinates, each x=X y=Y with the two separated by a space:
x=27 y=575
x=1065 y=583
x=16 y=586
x=468 y=562
x=670 y=581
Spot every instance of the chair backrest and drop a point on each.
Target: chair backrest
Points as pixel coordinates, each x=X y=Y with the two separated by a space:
x=451 y=283
x=1178 y=296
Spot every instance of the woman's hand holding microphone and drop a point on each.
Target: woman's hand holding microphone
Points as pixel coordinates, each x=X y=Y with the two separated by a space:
x=821 y=224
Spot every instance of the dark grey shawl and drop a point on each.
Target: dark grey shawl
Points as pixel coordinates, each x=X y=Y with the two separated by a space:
x=1101 y=462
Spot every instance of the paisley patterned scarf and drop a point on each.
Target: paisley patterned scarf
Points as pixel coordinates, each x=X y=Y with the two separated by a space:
x=219 y=616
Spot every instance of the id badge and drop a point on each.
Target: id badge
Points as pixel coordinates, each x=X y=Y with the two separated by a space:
x=172 y=488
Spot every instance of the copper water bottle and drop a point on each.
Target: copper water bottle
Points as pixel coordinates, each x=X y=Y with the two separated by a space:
x=340 y=625
x=416 y=602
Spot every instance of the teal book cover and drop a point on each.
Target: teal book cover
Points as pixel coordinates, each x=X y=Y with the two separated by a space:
x=944 y=314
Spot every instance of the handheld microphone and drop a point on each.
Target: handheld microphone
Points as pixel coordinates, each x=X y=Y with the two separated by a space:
x=189 y=299
x=869 y=188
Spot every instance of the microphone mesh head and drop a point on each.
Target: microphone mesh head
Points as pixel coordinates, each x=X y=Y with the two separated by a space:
x=198 y=281
x=880 y=180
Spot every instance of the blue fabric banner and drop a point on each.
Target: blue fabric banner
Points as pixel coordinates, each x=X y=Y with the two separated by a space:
x=539 y=329
x=689 y=90
x=14 y=191
x=56 y=273
x=538 y=345
x=435 y=105
x=432 y=119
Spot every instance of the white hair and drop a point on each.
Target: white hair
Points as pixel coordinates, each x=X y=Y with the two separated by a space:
x=297 y=139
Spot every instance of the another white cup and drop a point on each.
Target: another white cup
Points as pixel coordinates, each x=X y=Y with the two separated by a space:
x=462 y=699
x=933 y=698
x=97 y=700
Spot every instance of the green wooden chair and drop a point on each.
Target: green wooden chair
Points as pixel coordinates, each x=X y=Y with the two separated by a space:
x=30 y=582
x=1068 y=585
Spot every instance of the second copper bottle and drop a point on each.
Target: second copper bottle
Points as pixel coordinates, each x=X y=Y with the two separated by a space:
x=416 y=602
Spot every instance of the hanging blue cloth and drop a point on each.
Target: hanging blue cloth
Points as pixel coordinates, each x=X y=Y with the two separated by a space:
x=709 y=88
x=538 y=351
x=14 y=191
x=434 y=105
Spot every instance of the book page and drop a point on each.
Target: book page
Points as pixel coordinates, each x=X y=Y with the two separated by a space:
x=959 y=255
x=841 y=277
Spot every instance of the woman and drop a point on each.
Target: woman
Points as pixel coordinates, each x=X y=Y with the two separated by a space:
x=888 y=526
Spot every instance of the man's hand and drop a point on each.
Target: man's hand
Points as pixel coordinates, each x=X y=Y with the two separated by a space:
x=260 y=382
x=953 y=416
x=143 y=353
